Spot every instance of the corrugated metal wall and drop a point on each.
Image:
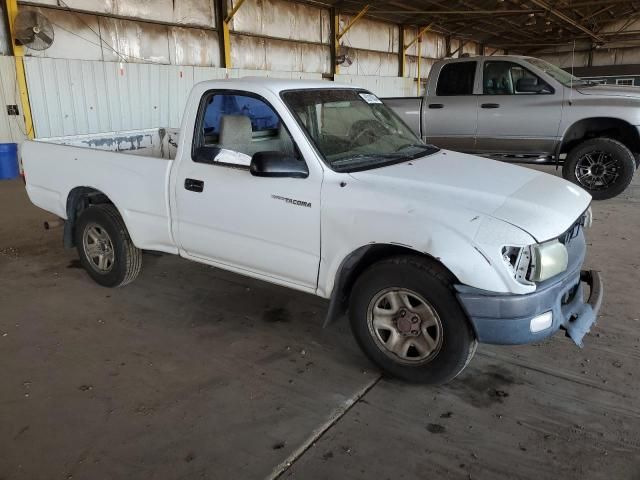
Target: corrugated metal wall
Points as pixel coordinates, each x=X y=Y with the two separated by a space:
x=125 y=64
x=11 y=126
x=80 y=36
x=70 y=97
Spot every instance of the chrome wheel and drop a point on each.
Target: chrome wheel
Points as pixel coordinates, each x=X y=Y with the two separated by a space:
x=98 y=248
x=404 y=326
x=597 y=170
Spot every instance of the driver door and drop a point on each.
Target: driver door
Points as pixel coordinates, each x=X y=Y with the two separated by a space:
x=513 y=121
x=268 y=227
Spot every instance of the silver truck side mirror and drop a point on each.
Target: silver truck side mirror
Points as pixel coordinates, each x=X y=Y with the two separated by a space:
x=277 y=164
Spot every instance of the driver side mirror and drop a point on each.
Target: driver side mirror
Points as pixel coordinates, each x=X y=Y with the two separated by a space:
x=277 y=165
x=530 y=85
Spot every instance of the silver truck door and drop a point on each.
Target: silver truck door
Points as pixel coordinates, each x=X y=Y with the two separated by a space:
x=450 y=111
x=519 y=113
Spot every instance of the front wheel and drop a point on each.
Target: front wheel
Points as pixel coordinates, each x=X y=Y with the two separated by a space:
x=604 y=167
x=105 y=248
x=408 y=321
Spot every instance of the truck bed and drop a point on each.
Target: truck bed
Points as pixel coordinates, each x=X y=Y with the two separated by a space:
x=151 y=142
x=131 y=168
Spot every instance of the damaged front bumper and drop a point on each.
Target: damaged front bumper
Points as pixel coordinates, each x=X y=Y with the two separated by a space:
x=518 y=319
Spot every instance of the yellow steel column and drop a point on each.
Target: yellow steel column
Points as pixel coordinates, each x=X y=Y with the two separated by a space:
x=410 y=44
x=226 y=38
x=340 y=34
x=21 y=78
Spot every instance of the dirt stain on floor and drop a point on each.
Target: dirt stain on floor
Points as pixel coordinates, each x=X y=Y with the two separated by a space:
x=276 y=315
x=484 y=388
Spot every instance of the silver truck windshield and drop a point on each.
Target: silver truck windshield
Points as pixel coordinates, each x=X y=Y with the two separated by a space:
x=558 y=73
x=353 y=129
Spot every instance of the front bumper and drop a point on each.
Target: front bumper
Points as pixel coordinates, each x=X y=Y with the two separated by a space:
x=505 y=319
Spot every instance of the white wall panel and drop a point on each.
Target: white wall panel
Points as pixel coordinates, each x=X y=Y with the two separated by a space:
x=433 y=44
x=72 y=97
x=12 y=128
x=76 y=36
x=411 y=67
x=158 y=10
x=187 y=12
x=192 y=46
x=381 y=86
x=134 y=41
x=367 y=63
x=89 y=37
x=270 y=54
x=282 y=19
x=370 y=35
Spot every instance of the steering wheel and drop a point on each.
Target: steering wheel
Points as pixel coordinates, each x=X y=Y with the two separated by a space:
x=368 y=130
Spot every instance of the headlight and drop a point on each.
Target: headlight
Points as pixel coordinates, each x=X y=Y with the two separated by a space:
x=550 y=258
x=536 y=263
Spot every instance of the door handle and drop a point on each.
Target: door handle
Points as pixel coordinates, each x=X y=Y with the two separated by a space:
x=490 y=105
x=436 y=105
x=193 y=185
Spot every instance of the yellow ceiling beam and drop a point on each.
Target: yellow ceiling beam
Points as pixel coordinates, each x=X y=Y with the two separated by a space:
x=353 y=21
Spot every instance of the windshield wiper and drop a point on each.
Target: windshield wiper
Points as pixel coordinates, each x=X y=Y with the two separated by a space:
x=362 y=159
x=414 y=145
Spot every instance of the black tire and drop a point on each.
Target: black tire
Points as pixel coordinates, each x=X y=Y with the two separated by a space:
x=428 y=280
x=623 y=167
x=127 y=259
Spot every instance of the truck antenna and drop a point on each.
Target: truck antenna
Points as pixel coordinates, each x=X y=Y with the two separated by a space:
x=573 y=61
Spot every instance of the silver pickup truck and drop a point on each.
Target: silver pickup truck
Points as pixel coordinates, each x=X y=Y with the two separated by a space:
x=528 y=110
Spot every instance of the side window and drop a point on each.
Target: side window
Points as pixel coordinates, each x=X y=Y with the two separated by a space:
x=232 y=127
x=456 y=79
x=507 y=78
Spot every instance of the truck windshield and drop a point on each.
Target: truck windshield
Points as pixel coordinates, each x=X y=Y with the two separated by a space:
x=559 y=74
x=353 y=129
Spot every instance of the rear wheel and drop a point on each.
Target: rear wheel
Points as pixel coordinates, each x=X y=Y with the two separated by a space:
x=604 y=167
x=406 y=318
x=105 y=248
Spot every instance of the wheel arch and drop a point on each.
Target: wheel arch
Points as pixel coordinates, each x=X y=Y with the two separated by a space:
x=358 y=261
x=79 y=199
x=593 y=127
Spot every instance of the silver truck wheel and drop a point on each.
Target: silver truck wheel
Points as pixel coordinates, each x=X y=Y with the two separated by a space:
x=105 y=248
x=407 y=319
x=98 y=248
x=405 y=326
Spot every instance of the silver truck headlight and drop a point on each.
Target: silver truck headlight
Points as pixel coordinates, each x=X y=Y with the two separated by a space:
x=536 y=263
x=550 y=259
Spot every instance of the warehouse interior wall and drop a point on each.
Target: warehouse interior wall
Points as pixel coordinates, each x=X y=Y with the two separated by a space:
x=126 y=64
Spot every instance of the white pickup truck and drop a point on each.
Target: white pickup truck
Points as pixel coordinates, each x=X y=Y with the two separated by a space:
x=321 y=188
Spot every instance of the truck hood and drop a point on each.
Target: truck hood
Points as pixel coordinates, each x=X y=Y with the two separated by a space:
x=542 y=205
x=611 y=91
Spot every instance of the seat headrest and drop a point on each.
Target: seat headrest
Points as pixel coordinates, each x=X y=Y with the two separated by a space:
x=235 y=129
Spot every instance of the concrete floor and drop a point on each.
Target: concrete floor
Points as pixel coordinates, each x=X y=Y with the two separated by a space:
x=192 y=372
